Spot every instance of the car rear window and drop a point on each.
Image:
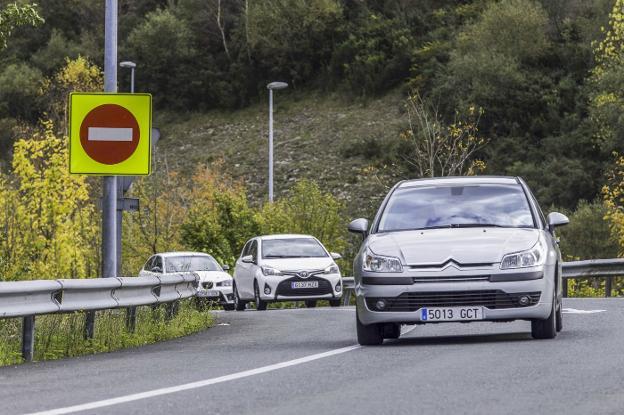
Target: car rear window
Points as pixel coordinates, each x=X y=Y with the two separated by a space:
x=292 y=248
x=429 y=207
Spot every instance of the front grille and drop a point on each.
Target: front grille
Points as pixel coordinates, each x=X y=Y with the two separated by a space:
x=284 y=287
x=207 y=285
x=454 y=278
x=493 y=299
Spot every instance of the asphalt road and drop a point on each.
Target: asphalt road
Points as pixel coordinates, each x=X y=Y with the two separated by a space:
x=306 y=362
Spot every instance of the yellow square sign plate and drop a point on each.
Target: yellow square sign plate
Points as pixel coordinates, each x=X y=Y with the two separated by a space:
x=110 y=134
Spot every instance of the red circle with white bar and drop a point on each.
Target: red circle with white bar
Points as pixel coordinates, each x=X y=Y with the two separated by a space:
x=109 y=134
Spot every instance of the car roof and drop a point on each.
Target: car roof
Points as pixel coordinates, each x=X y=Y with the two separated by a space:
x=459 y=180
x=285 y=236
x=181 y=253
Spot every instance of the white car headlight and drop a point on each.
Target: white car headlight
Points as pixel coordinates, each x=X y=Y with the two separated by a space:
x=533 y=257
x=271 y=271
x=226 y=283
x=332 y=269
x=379 y=263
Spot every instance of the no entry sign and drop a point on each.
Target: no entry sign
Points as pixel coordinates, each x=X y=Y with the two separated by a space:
x=110 y=134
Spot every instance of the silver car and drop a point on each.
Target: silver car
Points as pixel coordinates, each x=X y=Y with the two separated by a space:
x=457 y=249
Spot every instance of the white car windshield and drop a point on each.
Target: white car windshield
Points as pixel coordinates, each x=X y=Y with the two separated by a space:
x=430 y=207
x=191 y=263
x=292 y=248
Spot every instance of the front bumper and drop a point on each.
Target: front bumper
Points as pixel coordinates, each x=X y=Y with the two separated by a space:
x=438 y=293
x=330 y=287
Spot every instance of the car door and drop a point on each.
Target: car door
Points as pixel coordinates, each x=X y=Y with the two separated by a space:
x=244 y=272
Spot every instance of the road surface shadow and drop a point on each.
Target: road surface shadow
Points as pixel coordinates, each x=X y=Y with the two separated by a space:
x=460 y=339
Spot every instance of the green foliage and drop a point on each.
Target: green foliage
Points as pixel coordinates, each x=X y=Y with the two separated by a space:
x=162 y=45
x=20 y=85
x=220 y=219
x=62 y=335
x=46 y=214
x=588 y=235
x=13 y=16
x=375 y=55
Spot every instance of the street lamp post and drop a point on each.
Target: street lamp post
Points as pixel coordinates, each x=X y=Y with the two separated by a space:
x=271 y=87
x=120 y=179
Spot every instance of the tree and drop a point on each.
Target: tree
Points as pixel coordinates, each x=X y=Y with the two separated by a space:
x=13 y=16
x=436 y=149
x=46 y=215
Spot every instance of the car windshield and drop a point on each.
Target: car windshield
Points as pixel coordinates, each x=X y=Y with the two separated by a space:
x=192 y=263
x=431 y=207
x=292 y=248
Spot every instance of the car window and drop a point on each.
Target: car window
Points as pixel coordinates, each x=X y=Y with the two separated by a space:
x=292 y=248
x=158 y=263
x=457 y=206
x=149 y=264
x=188 y=263
x=246 y=249
x=253 y=250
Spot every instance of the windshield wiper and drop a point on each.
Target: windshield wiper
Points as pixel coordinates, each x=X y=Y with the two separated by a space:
x=475 y=225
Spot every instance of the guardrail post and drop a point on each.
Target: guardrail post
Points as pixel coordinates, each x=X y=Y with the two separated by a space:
x=28 y=338
x=89 y=328
x=171 y=309
x=346 y=297
x=131 y=319
x=608 y=286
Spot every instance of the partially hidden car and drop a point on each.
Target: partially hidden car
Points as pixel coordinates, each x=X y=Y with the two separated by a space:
x=291 y=267
x=215 y=284
x=458 y=249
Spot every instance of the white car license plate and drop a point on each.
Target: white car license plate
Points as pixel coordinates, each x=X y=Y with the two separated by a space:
x=208 y=293
x=451 y=313
x=304 y=284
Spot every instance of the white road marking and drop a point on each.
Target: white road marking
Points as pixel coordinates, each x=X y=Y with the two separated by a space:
x=193 y=385
x=109 y=134
x=575 y=311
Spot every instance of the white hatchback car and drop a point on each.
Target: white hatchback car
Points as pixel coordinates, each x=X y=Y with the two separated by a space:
x=286 y=268
x=215 y=284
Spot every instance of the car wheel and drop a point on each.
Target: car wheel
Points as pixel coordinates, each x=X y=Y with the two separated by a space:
x=228 y=307
x=335 y=303
x=310 y=303
x=559 y=322
x=391 y=331
x=239 y=305
x=368 y=335
x=546 y=329
x=260 y=304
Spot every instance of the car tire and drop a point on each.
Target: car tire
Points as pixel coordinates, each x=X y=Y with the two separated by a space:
x=260 y=304
x=559 y=322
x=368 y=335
x=335 y=303
x=391 y=331
x=310 y=303
x=239 y=305
x=547 y=328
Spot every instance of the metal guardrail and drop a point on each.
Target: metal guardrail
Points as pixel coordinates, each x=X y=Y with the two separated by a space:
x=593 y=268
x=28 y=299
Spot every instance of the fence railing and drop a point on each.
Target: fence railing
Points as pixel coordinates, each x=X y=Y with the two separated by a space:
x=28 y=299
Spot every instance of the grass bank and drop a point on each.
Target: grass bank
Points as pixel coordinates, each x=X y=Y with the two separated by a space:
x=61 y=335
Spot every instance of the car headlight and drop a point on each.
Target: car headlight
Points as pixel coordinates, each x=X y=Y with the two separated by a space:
x=380 y=263
x=332 y=269
x=271 y=271
x=226 y=283
x=533 y=257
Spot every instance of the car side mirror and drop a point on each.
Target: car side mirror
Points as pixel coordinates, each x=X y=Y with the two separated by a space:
x=359 y=226
x=556 y=219
x=225 y=267
x=247 y=259
x=335 y=256
x=157 y=270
